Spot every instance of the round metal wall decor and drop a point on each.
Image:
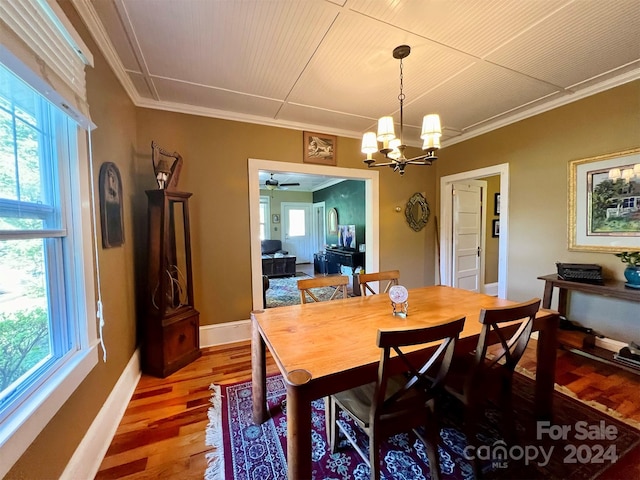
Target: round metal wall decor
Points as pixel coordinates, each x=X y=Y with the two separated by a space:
x=417 y=212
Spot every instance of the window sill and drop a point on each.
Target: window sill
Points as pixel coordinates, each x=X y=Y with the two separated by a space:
x=21 y=428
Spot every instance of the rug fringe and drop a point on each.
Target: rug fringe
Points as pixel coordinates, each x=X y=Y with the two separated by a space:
x=592 y=403
x=215 y=459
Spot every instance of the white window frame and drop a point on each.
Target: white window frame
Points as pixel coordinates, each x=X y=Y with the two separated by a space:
x=38 y=406
x=266 y=201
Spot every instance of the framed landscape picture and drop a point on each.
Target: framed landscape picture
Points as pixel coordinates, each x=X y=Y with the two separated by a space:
x=319 y=148
x=604 y=202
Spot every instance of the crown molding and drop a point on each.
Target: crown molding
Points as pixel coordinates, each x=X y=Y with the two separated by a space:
x=94 y=25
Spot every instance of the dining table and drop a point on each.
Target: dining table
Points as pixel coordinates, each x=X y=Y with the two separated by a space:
x=327 y=347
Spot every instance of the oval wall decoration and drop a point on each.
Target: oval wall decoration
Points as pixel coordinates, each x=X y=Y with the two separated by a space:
x=417 y=212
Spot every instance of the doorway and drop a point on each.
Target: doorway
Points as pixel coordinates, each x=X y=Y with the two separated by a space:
x=447 y=222
x=372 y=211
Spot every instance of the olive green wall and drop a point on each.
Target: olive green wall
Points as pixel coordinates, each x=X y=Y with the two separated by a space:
x=216 y=154
x=113 y=140
x=348 y=199
x=538 y=150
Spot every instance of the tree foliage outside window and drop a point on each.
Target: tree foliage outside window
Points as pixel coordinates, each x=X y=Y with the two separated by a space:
x=31 y=237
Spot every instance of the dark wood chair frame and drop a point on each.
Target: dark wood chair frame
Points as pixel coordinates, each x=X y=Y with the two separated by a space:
x=403 y=397
x=487 y=373
x=391 y=276
x=340 y=283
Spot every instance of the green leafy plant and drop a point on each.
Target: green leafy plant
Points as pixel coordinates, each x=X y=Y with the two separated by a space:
x=630 y=258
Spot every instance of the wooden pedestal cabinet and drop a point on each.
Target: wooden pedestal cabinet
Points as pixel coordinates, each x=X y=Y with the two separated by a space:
x=171 y=325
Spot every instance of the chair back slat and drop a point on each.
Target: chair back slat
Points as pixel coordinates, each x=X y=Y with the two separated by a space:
x=392 y=277
x=306 y=286
x=499 y=323
x=417 y=366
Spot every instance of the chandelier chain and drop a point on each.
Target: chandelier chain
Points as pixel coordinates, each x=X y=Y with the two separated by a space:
x=401 y=97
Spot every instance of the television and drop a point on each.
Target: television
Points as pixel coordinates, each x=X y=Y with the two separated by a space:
x=347 y=236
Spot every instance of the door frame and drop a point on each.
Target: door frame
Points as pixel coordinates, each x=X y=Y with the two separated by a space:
x=372 y=211
x=446 y=220
x=319 y=231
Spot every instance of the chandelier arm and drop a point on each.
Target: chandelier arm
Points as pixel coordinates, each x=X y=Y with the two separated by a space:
x=386 y=164
x=426 y=157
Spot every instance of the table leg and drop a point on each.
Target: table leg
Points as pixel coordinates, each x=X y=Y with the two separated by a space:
x=546 y=367
x=548 y=294
x=562 y=302
x=298 y=432
x=259 y=376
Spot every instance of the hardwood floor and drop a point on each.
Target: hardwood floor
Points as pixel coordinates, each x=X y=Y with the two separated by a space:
x=162 y=432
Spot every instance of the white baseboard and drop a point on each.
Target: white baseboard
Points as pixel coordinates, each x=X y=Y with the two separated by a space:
x=604 y=342
x=222 y=333
x=609 y=344
x=491 y=289
x=87 y=458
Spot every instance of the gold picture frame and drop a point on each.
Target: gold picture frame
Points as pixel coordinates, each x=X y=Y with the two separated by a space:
x=603 y=210
x=319 y=148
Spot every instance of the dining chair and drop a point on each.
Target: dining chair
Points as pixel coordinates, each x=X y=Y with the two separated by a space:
x=392 y=277
x=306 y=285
x=403 y=397
x=486 y=374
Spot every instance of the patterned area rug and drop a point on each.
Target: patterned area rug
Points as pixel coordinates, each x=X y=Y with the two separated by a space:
x=591 y=442
x=284 y=291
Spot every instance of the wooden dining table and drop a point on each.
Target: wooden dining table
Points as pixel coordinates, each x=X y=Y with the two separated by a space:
x=324 y=348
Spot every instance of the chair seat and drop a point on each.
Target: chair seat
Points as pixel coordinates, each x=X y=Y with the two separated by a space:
x=358 y=400
x=461 y=372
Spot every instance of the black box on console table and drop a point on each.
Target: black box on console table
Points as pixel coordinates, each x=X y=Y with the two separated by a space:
x=580 y=272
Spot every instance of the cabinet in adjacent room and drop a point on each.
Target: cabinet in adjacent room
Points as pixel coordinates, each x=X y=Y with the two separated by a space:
x=349 y=258
x=170 y=329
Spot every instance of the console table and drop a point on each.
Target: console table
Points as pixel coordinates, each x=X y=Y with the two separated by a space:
x=611 y=288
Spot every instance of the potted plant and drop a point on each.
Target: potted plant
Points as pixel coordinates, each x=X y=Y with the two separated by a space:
x=632 y=272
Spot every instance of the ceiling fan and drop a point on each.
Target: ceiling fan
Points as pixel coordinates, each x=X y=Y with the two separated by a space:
x=273 y=184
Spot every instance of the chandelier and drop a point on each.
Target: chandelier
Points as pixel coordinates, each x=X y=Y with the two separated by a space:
x=393 y=147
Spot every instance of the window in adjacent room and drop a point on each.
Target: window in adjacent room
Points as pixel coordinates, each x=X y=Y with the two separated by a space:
x=264 y=218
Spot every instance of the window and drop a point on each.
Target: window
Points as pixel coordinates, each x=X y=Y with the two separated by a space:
x=297 y=222
x=46 y=318
x=265 y=232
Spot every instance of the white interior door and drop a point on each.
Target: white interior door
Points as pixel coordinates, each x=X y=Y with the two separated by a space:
x=297 y=230
x=467 y=236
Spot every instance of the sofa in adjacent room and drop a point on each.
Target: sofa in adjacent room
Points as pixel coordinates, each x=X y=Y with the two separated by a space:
x=275 y=261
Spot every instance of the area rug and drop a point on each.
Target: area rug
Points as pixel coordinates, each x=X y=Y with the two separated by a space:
x=580 y=443
x=284 y=291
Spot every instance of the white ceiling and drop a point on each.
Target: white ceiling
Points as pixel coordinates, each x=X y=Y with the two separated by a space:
x=308 y=182
x=327 y=66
